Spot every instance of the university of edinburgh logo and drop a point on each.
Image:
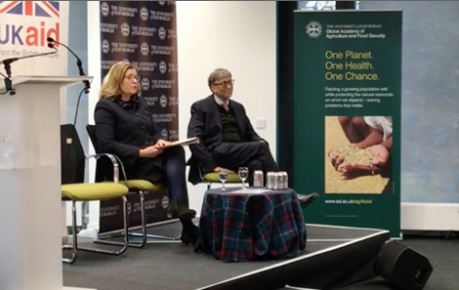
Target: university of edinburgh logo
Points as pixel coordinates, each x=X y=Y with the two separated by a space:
x=313 y=29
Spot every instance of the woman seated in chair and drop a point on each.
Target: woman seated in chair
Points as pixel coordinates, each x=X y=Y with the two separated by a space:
x=125 y=127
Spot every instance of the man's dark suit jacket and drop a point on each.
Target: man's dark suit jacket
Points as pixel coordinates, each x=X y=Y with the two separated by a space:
x=206 y=124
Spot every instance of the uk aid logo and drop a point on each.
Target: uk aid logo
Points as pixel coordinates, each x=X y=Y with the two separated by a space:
x=29 y=23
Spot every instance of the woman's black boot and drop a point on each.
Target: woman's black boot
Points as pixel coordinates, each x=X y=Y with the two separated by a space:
x=172 y=209
x=176 y=206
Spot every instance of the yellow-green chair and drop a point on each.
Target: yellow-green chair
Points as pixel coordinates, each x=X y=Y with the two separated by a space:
x=75 y=190
x=196 y=175
x=139 y=186
x=142 y=186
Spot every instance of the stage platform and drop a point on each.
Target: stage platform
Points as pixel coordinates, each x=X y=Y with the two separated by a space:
x=334 y=257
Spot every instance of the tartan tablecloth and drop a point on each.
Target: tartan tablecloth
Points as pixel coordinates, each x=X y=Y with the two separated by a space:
x=239 y=224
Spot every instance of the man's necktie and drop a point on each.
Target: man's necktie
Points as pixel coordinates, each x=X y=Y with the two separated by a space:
x=226 y=107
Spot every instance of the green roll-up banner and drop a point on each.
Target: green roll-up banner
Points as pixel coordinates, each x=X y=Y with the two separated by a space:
x=347 y=114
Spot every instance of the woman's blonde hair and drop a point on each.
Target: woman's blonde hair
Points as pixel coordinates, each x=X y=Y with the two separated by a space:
x=111 y=86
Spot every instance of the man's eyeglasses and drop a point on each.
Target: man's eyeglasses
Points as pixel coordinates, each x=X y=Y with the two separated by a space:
x=225 y=83
x=131 y=77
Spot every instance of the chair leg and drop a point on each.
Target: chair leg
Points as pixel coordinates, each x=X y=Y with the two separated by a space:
x=144 y=234
x=117 y=252
x=140 y=244
x=143 y=242
x=84 y=214
x=74 y=247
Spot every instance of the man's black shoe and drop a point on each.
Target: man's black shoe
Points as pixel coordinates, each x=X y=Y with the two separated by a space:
x=307 y=199
x=190 y=232
x=187 y=215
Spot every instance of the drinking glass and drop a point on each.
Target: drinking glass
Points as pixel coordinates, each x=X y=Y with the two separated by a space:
x=243 y=173
x=223 y=176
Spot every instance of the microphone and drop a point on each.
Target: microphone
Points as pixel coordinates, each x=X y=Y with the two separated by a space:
x=7 y=62
x=10 y=60
x=79 y=63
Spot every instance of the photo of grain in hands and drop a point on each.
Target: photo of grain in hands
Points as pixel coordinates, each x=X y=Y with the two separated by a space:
x=357 y=154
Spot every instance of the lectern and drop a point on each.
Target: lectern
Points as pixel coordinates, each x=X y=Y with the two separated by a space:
x=30 y=218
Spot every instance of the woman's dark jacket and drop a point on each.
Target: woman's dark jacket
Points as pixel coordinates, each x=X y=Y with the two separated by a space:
x=123 y=128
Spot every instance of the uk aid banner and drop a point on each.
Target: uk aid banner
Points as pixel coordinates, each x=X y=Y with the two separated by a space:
x=24 y=29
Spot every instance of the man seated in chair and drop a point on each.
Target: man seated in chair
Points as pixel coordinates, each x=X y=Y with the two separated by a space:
x=227 y=137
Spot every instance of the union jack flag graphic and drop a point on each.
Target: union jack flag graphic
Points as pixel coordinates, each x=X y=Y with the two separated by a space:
x=30 y=8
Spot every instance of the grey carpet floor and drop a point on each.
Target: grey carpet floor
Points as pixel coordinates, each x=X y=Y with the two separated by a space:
x=169 y=265
x=442 y=254
x=175 y=266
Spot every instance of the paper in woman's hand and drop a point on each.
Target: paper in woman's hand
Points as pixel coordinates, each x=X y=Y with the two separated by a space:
x=184 y=142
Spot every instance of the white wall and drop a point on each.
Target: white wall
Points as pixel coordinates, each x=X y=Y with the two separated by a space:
x=430 y=216
x=239 y=36
x=94 y=70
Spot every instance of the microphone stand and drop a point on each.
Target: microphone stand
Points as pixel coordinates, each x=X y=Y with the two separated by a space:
x=7 y=65
x=8 y=82
x=87 y=86
x=52 y=41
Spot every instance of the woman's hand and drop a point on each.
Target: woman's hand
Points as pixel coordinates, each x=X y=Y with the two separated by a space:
x=162 y=144
x=150 y=152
